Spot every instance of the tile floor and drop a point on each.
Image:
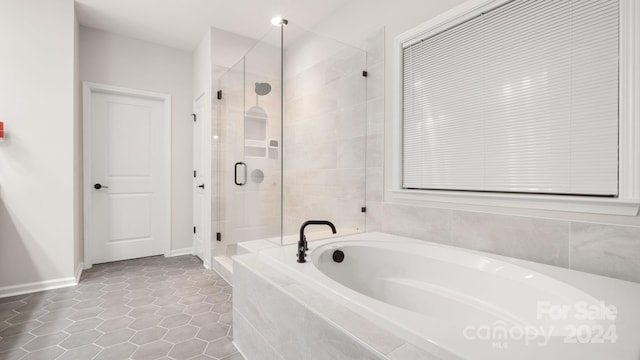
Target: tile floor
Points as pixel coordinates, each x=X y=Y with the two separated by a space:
x=149 y=308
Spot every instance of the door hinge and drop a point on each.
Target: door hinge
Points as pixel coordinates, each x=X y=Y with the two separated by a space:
x=363 y=209
x=365 y=73
x=194 y=229
x=194 y=173
x=219 y=94
x=194 y=117
x=219 y=236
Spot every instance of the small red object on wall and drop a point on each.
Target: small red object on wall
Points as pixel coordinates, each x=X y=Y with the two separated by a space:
x=1 y=131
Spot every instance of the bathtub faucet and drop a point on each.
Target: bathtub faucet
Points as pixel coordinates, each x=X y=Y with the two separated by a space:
x=302 y=243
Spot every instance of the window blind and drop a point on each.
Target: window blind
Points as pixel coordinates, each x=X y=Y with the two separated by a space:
x=522 y=98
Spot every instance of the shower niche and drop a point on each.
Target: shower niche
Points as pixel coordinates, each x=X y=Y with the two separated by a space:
x=255 y=127
x=291 y=140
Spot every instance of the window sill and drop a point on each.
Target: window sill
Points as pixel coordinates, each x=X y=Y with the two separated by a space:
x=579 y=204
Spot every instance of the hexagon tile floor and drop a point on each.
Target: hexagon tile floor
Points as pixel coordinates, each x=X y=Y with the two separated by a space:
x=149 y=308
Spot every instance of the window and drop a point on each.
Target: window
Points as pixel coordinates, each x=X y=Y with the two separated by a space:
x=523 y=98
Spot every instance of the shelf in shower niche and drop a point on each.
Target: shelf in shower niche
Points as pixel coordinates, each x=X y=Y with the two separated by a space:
x=255 y=151
x=255 y=124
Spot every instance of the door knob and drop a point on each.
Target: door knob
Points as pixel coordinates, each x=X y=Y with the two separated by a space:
x=99 y=186
x=201 y=186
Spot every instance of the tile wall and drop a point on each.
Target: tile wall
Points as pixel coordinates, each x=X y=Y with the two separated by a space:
x=324 y=135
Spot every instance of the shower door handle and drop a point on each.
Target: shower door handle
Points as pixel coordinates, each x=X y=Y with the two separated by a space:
x=235 y=173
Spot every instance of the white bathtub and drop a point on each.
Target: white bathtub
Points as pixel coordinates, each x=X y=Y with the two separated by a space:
x=463 y=304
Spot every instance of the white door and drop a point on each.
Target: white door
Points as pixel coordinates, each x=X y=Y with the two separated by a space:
x=199 y=178
x=127 y=188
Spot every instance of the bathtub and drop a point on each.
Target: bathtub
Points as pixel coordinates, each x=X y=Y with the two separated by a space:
x=455 y=303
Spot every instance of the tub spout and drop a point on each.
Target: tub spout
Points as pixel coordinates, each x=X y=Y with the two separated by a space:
x=302 y=242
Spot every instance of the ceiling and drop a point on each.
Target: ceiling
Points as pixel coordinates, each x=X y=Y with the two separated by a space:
x=182 y=23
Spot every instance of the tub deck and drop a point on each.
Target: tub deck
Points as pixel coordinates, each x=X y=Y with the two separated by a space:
x=295 y=311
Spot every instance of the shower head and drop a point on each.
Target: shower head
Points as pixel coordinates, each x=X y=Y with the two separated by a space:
x=263 y=88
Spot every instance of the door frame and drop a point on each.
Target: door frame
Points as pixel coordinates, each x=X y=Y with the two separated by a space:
x=88 y=89
x=206 y=156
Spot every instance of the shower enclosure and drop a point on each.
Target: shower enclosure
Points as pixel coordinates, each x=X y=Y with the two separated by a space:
x=289 y=133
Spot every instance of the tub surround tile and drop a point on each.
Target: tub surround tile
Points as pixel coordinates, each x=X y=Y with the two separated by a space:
x=408 y=351
x=326 y=103
x=606 y=249
x=375 y=116
x=418 y=222
x=250 y=342
x=375 y=184
x=291 y=328
x=375 y=79
x=362 y=328
x=375 y=150
x=375 y=216
x=540 y=240
x=609 y=250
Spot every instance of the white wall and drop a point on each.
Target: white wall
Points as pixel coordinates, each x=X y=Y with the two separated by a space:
x=78 y=233
x=202 y=66
x=37 y=161
x=602 y=244
x=121 y=61
x=226 y=50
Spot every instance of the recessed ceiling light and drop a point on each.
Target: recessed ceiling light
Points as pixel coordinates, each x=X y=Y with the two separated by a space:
x=279 y=20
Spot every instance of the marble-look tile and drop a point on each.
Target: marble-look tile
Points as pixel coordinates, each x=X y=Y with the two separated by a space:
x=375 y=116
x=301 y=333
x=608 y=250
x=351 y=153
x=250 y=342
x=418 y=222
x=355 y=324
x=375 y=184
x=410 y=352
x=375 y=150
x=375 y=216
x=540 y=240
x=325 y=107
x=375 y=81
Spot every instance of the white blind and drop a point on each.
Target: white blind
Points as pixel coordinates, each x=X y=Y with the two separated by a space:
x=523 y=98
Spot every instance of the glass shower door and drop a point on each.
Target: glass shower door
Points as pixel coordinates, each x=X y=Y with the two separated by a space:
x=260 y=166
x=249 y=145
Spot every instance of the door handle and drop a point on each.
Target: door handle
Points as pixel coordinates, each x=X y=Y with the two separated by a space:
x=235 y=173
x=201 y=186
x=99 y=186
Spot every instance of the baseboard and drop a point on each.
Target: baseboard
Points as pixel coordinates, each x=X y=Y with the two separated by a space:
x=20 y=289
x=206 y=264
x=180 y=252
x=79 y=269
